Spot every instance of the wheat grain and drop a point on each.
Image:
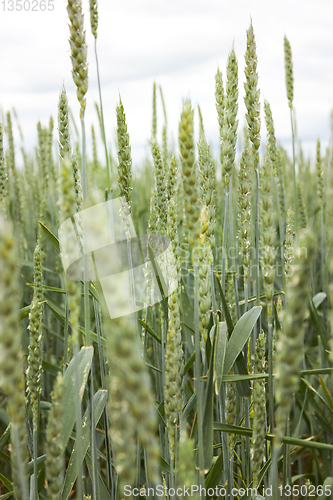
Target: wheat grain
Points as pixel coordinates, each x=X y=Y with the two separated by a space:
x=11 y=359
x=77 y=42
x=291 y=341
x=288 y=72
x=54 y=456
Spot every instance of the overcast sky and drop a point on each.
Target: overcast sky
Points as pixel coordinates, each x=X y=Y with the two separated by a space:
x=179 y=44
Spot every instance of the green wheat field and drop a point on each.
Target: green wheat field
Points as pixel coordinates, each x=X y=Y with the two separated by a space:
x=223 y=386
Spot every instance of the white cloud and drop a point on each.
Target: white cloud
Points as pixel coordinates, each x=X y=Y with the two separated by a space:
x=178 y=43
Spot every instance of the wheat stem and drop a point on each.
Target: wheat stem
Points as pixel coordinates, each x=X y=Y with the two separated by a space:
x=107 y=160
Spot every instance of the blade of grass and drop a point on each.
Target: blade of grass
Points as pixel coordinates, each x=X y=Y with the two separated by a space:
x=5 y=481
x=50 y=236
x=99 y=402
x=5 y=437
x=104 y=494
x=240 y=336
x=240 y=365
x=215 y=474
x=150 y=330
x=245 y=431
x=84 y=359
x=219 y=354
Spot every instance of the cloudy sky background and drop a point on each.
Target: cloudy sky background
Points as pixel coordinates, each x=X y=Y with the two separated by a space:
x=179 y=44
